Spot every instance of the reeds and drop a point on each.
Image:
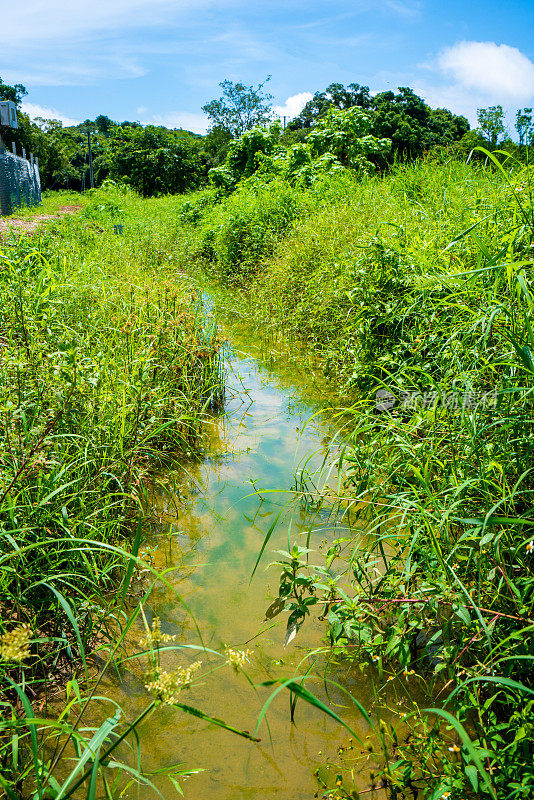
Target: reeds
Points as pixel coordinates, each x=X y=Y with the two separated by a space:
x=107 y=369
x=418 y=285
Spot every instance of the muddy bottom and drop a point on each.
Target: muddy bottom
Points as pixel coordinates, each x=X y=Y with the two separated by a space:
x=211 y=522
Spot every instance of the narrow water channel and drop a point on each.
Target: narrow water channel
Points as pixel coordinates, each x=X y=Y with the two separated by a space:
x=210 y=528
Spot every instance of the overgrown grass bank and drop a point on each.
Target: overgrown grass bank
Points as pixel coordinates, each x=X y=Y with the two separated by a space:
x=417 y=285
x=109 y=365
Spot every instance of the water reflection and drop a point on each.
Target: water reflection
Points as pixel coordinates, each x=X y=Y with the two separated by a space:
x=211 y=522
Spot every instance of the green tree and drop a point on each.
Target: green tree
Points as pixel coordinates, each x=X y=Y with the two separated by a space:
x=335 y=95
x=57 y=150
x=346 y=135
x=14 y=93
x=155 y=160
x=524 y=126
x=216 y=144
x=246 y=154
x=240 y=108
x=413 y=127
x=104 y=124
x=403 y=117
x=340 y=140
x=491 y=123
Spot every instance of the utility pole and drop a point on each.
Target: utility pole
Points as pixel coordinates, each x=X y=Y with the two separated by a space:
x=284 y=118
x=91 y=177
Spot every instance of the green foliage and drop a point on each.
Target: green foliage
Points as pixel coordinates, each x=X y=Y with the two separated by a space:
x=108 y=369
x=14 y=93
x=491 y=124
x=404 y=118
x=240 y=108
x=154 y=160
x=524 y=126
x=411 y=125
x=437 y=594
x=346 y=135
x=340 y=140
x=244 y=156
x=416 y=284
x=266 y=185
x=241 y=230
x=335 y=96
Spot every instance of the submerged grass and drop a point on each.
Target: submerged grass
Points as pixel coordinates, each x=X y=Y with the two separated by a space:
x=416 y=285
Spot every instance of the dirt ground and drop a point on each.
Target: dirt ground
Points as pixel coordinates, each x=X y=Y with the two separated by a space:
x=30 y=224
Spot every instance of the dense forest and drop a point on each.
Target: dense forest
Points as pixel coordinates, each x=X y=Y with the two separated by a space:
x=156 y=160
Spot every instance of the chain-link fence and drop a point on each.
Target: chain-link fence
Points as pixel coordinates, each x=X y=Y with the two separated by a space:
x=20 y=183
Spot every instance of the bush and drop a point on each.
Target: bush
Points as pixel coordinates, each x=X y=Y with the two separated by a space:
x=243 y=229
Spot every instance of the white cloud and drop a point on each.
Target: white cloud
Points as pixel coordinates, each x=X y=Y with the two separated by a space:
x=293 y=105
x=61 y=42
x=54 y=20
x=404 y=9
x=197 y=123
x=496 y=70
x=76 y=66
x=34 y=110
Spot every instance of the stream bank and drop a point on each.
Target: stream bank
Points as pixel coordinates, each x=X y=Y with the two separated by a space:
x=211 y=520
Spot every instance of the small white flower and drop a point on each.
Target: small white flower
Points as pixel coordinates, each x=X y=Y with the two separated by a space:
x=237 y=657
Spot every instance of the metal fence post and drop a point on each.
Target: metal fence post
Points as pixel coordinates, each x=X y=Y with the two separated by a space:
x=91 y=177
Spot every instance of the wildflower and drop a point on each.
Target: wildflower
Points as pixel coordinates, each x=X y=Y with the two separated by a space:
x=15 y=645
x=530 y=547
x=167 y=685
x=391 y=678
x=237 y=658
x=155 y=636
x=454 y=749
x=445 y=796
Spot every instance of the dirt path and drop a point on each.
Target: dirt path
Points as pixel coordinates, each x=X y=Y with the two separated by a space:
x=30 y=224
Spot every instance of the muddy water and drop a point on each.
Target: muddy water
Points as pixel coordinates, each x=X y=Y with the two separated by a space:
x=211 y=522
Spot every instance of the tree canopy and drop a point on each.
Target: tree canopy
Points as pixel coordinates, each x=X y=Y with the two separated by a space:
x=154 y=160
x=403 y=117
x=342 y=127
x=14 y=93
x=491 y=123
x=335 y=95
x=524 y=126
x=240 y=108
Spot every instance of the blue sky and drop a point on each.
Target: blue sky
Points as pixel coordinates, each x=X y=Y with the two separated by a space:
x=159 y=61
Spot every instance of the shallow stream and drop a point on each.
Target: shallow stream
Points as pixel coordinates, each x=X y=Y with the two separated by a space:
x=212 y=520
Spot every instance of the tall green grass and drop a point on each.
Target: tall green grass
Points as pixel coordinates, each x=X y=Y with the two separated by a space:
x=109 y=366
x=419 y=284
